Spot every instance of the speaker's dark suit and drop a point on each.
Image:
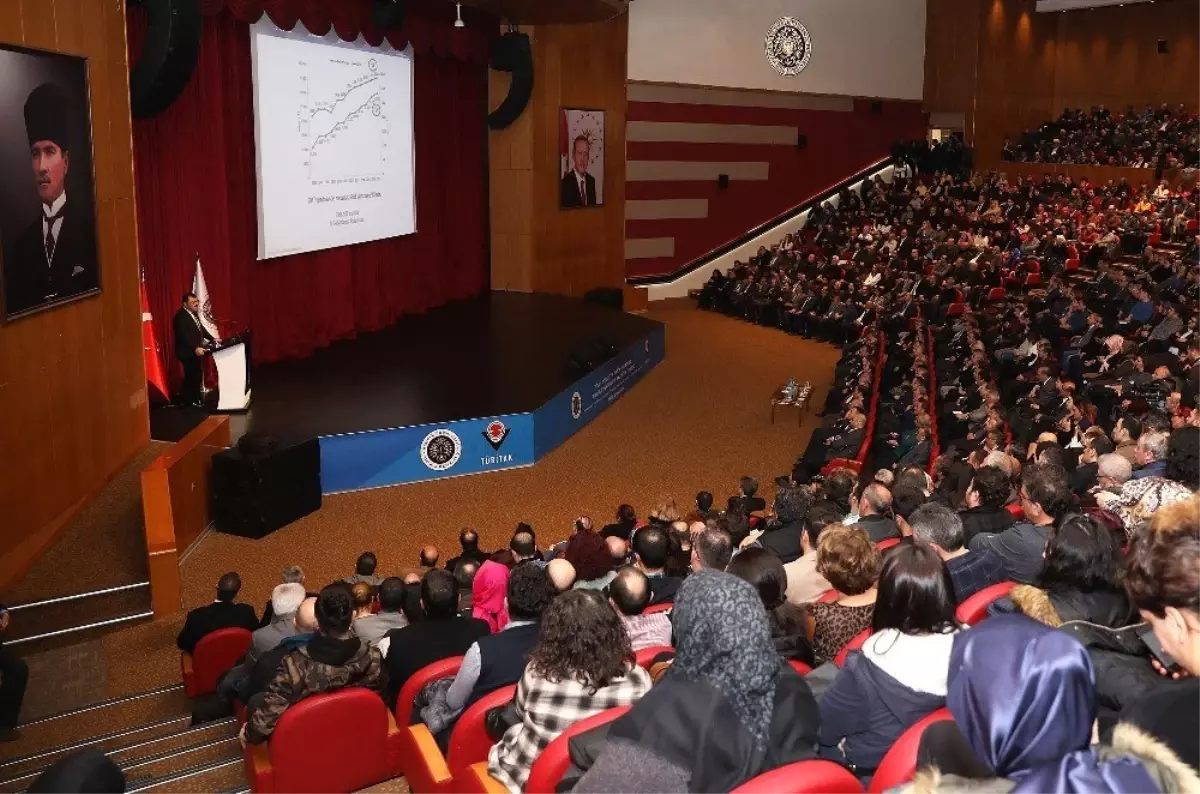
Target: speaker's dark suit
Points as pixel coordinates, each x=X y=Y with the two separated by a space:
x=189 y=335
x=30 y=281
x=569 y=190
x=217 y=615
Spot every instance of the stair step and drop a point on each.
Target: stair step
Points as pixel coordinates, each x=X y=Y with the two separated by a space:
x=166 y=764
x=68 y=614
x=225 y=774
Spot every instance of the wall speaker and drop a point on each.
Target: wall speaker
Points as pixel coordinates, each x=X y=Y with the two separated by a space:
x=876 y=106
x=387 y=14
x=168 y=56
x=1162 y=46
x=722 y=181
x=801 y=141
x=256 y=488
x=512 y=53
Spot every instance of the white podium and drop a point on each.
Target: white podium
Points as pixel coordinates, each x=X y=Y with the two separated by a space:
x=232 y=359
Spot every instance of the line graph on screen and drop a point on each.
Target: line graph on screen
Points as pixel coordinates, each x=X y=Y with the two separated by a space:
x=342 y=119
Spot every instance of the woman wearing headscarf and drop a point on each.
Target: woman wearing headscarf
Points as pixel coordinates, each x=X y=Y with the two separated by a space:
x=1023 y=703
x=727 y=709
x=488 y=591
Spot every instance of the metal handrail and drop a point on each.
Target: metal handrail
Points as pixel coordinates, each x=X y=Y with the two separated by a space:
x=106 y=737
x=77 y=596
x=96 y=625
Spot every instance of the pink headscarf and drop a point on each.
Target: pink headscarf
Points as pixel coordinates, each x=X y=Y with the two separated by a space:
x=488 y=591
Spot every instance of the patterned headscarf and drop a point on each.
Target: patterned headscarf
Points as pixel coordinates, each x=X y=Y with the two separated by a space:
x=722 y=638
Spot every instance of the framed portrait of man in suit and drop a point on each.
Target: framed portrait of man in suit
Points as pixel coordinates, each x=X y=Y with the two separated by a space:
x=581 y=156
x=48 y=250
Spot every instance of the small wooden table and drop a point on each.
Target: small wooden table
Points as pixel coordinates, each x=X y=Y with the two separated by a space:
x=800 y=404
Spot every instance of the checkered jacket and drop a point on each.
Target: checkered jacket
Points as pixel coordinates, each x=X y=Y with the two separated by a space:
x=546 y=710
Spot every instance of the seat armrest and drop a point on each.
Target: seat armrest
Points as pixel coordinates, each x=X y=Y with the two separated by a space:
x=259 y=772
x=476 y=780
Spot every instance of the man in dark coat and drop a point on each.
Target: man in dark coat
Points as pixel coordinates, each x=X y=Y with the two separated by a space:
x=191 y=337
x=578 y=187
x=55 y=257
x=220 y=614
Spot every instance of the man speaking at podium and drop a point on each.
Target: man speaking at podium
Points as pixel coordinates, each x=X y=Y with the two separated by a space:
x=191 y=338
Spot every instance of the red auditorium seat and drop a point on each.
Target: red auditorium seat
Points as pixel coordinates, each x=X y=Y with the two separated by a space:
x=856 y=643
x=216 y=653
x=996 y=294
x=1192 y=226
x=645 y=657
x=828 y=597
x=804 y=777
x=1033 y=280
x=900 y=763
x=430 y=772
x=955 y=309
x=800 y=667
x=352 y=726
x=1072 y=265
x=1016 y=510
x=445 y=668
x=887 y=543
x=974 y=609
x=665 y=606
x=554 y=761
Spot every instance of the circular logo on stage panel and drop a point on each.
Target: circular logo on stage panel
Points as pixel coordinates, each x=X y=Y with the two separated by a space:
x=495 y=433
x=576 y=405
x=788 y=46
x=440 y=450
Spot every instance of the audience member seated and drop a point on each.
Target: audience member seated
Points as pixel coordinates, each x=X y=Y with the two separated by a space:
x=364 y=570
x=1151 y=138
x=764 y=571
x=712 y=550
x=523 y=545
x=440 y=634
x=372 y=628
x=332 y=659
x=804 y=583
x=223 y=613
x=489 y=589
x=498 y=659
x=248 y=686
x=468 y=541
x=624 y=526
x=970 y=571
x=651 y=551
x=363 y=595
x=1138 y=499
x=593 y=562
x=727 y=709
x=464 y=576
x=1045 y=495
x=873 y=513
x=1162 y=577
x=629 y=593
x=14 y=676
x=987 y=495
x=562 y=574
x=1046 y=743
x=582 y=664
x=285 y=600
x=427 y=560
x=1151 y=455
x=899 y=677
x=782 y=533
x=1079 y=580
x=745 y=502
x=704 y=508
x=850 y=562
x=292 y=574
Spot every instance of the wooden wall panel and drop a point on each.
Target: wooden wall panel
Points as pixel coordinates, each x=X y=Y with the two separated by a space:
x=1008 y=68
x=72 y=383
x=536 y=247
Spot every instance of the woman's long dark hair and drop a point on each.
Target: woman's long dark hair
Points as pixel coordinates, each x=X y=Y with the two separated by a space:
x=763 y=569
x=582 y=638
x=916 y=594
x=1080 y=555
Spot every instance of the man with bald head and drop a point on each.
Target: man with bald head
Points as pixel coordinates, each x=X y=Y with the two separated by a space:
x=617 y=549
x=651 y=548
x=562 y=574
x=468 y=539
x=629 y=594
x=254 y=683
x=874 y=510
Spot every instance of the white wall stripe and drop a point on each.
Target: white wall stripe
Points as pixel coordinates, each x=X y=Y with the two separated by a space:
x=689 y=171
x=664 y=209
x=698 y=95
x=649 y=247
x=687 y=132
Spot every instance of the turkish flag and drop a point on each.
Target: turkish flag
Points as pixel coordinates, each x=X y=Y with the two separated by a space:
x=155 y=377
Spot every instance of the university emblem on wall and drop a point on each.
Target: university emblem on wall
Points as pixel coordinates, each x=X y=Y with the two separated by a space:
x=788 y=46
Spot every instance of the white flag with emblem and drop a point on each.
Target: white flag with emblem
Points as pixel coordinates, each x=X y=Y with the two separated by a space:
x=201 y=291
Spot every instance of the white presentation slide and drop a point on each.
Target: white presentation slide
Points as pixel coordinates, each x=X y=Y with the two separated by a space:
x=333 y=132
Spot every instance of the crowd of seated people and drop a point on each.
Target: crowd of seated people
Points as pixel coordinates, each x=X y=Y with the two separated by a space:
x=1010 y=467
x=1158 y=138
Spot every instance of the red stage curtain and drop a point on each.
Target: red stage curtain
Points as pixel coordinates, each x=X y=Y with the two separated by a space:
x=196 y=193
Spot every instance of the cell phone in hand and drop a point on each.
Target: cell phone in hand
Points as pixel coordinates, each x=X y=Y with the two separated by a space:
x=1165 y=659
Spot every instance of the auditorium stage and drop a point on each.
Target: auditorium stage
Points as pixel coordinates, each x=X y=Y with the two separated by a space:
x=473 y=386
